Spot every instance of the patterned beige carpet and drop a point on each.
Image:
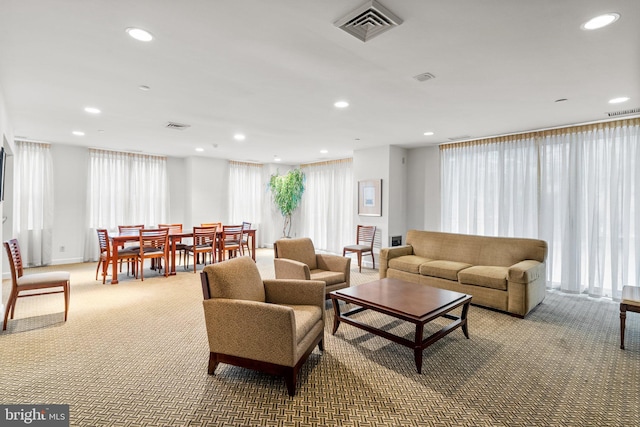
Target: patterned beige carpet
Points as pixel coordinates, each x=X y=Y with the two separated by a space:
x=135 y=354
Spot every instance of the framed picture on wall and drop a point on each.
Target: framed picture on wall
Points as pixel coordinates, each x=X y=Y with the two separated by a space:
x=370 y=197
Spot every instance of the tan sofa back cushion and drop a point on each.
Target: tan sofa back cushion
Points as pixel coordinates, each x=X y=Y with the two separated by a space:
x=475 y=250
x=300 y=250
x=237 y=278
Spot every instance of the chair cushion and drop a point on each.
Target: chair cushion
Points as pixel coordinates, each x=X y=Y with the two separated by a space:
x=237 y=278
x=358 y=248
x=408 y=263
x=300 y=249
x=443 y=269
x=631 y=295
x=306 y=317
x=485 y=276
x=328 y=277
x=43 y=278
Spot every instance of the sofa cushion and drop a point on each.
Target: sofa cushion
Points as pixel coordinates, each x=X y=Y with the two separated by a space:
x=328 y=277
x=443 y=269
x=485 y=276
x=408 y=263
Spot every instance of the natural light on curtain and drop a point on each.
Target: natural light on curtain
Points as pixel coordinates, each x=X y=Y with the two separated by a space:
x=33 y=202
x=490 y=188
x=327 y=207
x=246 y=195
x=586 y=183
x=590 y=183
x=124 y=189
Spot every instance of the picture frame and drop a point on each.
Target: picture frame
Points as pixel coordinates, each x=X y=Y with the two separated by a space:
x=370 y=197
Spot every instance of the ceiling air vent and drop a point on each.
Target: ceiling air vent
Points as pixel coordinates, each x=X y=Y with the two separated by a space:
x=177 y=126
x=424 y=77
x=368 y=21
x=459 y=138
x=623 y=112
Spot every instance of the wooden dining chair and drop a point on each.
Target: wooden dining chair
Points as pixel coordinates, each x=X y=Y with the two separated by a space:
x=231 y=241
x=154 y=244
x=366 y=235
x=246 y=226
x=52 y=282
x=203 y=242
x=181 y=248
x=106 y=255
x=132 y=230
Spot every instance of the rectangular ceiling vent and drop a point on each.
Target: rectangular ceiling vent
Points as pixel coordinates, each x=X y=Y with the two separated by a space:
x=424 y=77
x=624 y=112
x=177 y=126
x=459 y=138
x=368 y=21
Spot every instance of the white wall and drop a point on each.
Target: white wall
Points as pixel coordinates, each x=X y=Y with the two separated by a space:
x=423 y=188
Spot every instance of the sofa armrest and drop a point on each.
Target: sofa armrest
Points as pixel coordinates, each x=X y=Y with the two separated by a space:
x=250 y=329
x=393 y=252
x=290 y=269
x=526 y=271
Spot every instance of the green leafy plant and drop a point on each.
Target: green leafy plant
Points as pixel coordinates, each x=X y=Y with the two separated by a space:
x=287 y=192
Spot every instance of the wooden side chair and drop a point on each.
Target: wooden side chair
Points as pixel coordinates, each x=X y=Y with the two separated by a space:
x=181 y=248
x=245 y=237
x=231 y=241
x=203 y=242
x=154 y=244
x=630 y=302
x=364 y=244
x=53 y=282
x=106 y=255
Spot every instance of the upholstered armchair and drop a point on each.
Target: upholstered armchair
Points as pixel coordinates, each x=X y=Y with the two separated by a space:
x=266 y=325
x=297 y=259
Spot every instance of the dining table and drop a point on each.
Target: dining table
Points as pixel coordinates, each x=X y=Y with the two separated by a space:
x=120 y=239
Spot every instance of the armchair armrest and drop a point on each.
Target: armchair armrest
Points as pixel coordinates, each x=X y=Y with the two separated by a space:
x=526 y=271
x=296 y=292
x=250 y=329
x=393 y=252
x=290 y=269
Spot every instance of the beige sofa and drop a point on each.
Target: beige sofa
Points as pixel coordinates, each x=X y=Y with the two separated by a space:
x=503 y=273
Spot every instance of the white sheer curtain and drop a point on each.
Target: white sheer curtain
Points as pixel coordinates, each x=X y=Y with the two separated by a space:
x=246 y=196
x=124 y=189
x=490 y=188
x=327 y=207
x=33 y=202
x=586 y=182
x=590 y=183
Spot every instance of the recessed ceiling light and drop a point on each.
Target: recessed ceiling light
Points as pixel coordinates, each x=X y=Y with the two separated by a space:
x=600 y=21
x=92 y=110
x=619 y=100
x=341 y=104
x=324 y=151
x=428 y=133
x=276 y=158
x=139 y=34
x=78 y=133
x=239 y=137
x=144 y=87
x=199 y=149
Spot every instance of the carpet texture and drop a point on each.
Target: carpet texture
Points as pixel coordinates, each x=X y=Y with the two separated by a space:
x=136 y=353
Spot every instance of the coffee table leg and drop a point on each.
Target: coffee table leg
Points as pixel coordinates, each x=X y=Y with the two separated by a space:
x=463 y=318
x=336 y=314
x=417 y=349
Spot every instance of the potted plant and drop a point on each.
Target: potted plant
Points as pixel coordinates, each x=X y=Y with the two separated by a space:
x=287 y=192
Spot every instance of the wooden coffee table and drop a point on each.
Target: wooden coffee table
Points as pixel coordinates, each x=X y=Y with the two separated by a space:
x=412 y=302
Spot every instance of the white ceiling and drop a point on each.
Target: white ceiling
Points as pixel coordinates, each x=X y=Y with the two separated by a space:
x=273 y=69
